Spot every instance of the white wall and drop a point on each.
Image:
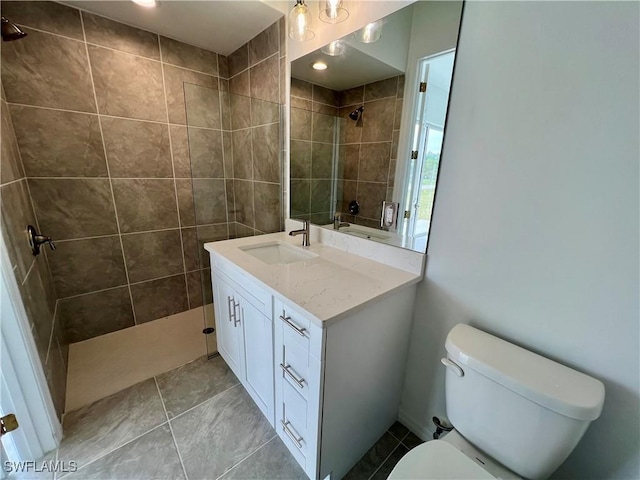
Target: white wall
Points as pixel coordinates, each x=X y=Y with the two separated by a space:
x=535 y=235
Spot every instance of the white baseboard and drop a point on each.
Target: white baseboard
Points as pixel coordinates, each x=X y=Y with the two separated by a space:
x=425 y=432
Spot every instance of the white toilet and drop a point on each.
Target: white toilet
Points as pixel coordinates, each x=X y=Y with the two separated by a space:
x=515 y=413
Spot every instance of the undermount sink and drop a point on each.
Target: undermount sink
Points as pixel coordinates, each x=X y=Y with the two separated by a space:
x=277 y=253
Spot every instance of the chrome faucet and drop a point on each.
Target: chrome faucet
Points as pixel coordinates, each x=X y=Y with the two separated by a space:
x=337 y=222
x=304 y=231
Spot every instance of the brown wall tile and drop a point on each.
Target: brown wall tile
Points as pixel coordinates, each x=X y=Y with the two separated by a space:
x=95 y=314
x=265 y=141
x=188 y=56
x=48 y=16
x=127 y=85
x=238 y=60
x=378 y=120
x=159 y=298
x=17 y=213
x=301 y=88
x=119 y=36
x=205 y=150
x=56 y=143
x=239 y=85
x=242 y=163
x=381 y=89
x=210 y=201
x=153 y=254
x=60 y=63
x=263 y=45
x=175 y=78
x=243 y=193
x=202 y=106
x=374 y=162
x=180 y=150
x=82 y=266
x=144 y=204
x=321 y=160
x=11 y=167
x=300 y=159
x=265 y=80
x=73 y=208
x=267 y=195
x=137 y=149
x=185 y=202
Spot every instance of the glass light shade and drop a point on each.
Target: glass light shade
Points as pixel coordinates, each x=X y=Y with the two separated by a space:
x=300 y=22
x=370 y=33
x=333 y=12
x=334 y=49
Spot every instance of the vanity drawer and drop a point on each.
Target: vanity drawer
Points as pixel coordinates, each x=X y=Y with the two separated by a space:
x=293 y=424
x=298 y=330
x=294 y=367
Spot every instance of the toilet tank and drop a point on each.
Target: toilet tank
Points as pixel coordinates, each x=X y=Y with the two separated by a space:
x=522 y=409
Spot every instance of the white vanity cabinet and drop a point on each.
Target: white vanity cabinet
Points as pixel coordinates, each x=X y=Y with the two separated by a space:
x=245 y=336
x=327 y=369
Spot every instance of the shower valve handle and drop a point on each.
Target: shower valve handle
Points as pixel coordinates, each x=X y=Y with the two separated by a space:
x=35 y=240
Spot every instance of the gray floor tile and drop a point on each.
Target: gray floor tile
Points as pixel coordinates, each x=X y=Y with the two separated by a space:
x=193 y=383
x=411 y=441
x=107 y=424
x=273 y=461
x=398 y=430
x=218 y=434
x=386 y=468
x=371 y=460
x=152 y=456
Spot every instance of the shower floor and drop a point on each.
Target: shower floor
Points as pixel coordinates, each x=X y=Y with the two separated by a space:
x=107 y=364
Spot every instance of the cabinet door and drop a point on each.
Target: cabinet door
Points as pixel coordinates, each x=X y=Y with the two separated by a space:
x=228 y=324
x=258 y=347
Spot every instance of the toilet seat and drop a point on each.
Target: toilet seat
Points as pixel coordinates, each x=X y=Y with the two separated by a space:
x=438 y=459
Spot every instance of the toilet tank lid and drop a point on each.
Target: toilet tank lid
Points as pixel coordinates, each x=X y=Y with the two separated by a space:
x=543 y=381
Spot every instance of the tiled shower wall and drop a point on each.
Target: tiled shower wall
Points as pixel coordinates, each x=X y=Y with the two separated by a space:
x=32 y=273
x=368 y=154
x=315 y=128
x=366 y=159
x=257 y=73
x=99 y=114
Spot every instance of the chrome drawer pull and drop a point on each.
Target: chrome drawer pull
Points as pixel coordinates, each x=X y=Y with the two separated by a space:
x=290 y=434
x=286 y=369
x=231 y=301
x=288 y=321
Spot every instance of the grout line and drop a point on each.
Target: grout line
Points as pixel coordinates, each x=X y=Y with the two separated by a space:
x=175 y=184
x=175 y=442
x=101 y=456
x=53 y=327
x=257 y=63
x=248 y=456
x=222 y=98
x=14 y=181
x=106 y=161
x=384 y=461
x=397 y=438
x=122 y=178
x=204 y=401
x=26 y=276
x=106 y=47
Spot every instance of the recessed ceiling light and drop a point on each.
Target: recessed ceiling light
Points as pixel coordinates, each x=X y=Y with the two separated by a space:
x=319 y=66
x=146 y=3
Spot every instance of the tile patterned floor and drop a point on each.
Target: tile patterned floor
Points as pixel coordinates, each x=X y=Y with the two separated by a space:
x=194 y=422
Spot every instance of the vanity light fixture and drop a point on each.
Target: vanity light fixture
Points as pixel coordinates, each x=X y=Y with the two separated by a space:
x=146 y=3
x=334 y=49
x=333 y=12
x=300 y=22
x=370 y=33
x=319 y=66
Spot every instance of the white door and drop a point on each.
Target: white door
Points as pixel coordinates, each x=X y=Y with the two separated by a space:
x=435 y=74
x=23 y=387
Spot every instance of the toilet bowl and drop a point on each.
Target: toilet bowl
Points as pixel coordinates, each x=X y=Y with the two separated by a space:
x=451 y=458
x=498 y=395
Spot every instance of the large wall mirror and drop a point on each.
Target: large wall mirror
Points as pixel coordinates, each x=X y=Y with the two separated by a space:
x=367 y=125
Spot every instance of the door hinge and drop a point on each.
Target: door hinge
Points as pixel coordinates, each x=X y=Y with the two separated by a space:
x=407 y=214
x=414 y=155
x=8 y=423
x=423 y=87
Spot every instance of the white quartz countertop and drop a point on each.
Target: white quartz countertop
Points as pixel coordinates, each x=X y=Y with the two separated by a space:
x=328 y=287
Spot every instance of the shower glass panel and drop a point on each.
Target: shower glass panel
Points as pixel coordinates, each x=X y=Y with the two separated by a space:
x=317 y=166
x=232 y=157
